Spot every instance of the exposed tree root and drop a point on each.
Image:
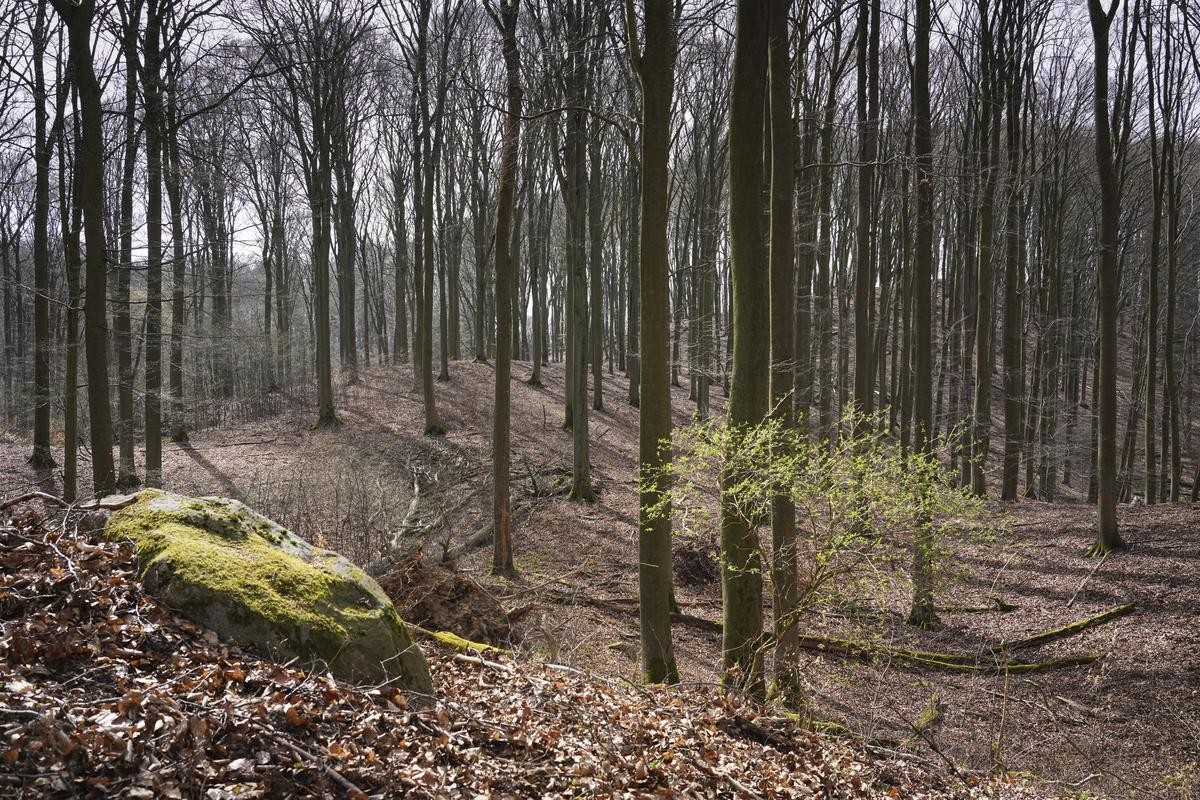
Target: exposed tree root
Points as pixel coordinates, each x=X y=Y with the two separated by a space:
x=326 y=421
x=1100 y=549
x=41 y=458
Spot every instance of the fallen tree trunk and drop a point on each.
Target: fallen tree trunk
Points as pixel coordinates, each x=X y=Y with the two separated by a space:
x=951 y=662
x=991 y=661
x=1069 y=630
x=454 y=640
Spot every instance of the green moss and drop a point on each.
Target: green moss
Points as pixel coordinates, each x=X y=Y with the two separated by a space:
x=930 y=716
x=456 y=641
x=251 y=580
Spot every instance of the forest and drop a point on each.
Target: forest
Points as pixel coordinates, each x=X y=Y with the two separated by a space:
x=557 y=398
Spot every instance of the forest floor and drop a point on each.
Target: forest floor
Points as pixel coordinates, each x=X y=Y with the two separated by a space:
x=1126 y=725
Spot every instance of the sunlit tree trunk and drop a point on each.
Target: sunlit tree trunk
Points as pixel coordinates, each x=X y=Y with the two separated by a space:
x=922 y=612
x=741 y=561
x=655 y=66
x=127 y=476
x=782 y=265
x=502 y=560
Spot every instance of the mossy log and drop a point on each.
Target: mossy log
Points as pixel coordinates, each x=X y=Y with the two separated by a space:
x=950 y=662
x=454 y=640
x=1069 y=630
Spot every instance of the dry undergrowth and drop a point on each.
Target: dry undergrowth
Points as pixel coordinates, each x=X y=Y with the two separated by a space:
x=1127 y=725
x=104 y=691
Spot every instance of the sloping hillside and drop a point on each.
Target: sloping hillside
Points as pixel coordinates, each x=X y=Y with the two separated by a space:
x=1126 y=724
x=105 y=692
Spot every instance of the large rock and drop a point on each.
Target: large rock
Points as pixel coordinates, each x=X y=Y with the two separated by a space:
x=250 y=580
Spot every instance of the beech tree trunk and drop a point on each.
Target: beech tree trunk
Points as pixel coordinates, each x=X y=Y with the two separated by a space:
x=1107 y=275
x=741 y=561
x=784 y=581
x=89 y=186
x=502 y=561
x=655 y=66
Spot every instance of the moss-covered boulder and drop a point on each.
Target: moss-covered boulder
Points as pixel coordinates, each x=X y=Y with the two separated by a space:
x=254 y=582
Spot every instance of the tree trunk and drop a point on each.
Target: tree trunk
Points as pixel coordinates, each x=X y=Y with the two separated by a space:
x=633 y=358
x=400 y=258
x=596 y=265
x=502 y=561
x=1150 y=486
x=864 y=275
x=989 y=125
x=1107 y=278
x=154 y=226
x=741 y=572
x=90 y=189
x=127 y=477
x=655 y=67
x=783 y=378
x=41 y=459
x=922 y=612
x=70 y=224
x=173 y=180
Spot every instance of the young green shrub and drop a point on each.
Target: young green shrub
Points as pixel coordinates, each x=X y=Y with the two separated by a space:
x=859 y=502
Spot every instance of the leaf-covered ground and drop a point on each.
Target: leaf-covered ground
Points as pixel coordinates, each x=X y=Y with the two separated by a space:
x=105 y=692
x=1124 y=726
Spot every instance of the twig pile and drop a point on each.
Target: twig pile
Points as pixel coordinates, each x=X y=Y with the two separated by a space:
x=104 y=691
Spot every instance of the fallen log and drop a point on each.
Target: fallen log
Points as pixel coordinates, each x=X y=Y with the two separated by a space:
x=950 y=662
x=1068 y=630
x=93 y=505
x=454 y=640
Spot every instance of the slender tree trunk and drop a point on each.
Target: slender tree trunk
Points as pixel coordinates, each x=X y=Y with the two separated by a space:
x=502 y=560
x=828 y=368
x=400 y=258
x=1014 y=340
x=989 y=123
x=89 y=180
x=1150 y=486
x=1170 y=378
x=655 y=66
x=864 y=275
x=922 y=612
x=633 y=359
x=783 y=379
x=344 y=214
x=596 y=265
x=70 y=223
x=1107 y=275
x=320 y=196
x=154 y=248
x=537 y=296
x=41 y=458
x=127 y=476
x=172 y=178
x=741 y=561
